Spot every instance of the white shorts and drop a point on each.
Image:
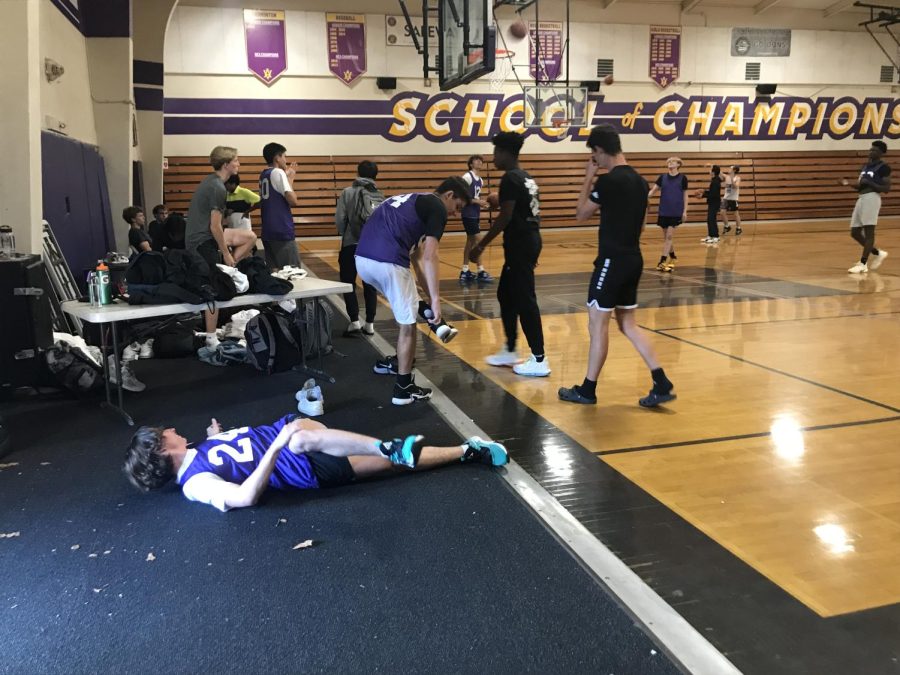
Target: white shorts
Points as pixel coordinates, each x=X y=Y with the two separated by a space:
x=866 y=210
x=395 y=283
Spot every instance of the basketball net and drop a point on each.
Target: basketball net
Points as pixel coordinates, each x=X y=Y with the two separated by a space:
x=503 y=66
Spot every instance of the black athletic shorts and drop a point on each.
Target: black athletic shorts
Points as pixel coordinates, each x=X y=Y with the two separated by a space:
x=615 y=283
x=668 y=221
x=209 y=251
x=731 y=205
x=331 y=471
x=472 y=225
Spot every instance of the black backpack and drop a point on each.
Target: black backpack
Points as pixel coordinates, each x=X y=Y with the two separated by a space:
x=261 y=279
x=72 y=369
x=273 y=341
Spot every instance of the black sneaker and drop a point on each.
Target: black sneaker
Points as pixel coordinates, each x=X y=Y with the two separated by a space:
x=574 y=395
x=386 y=366
x=403 y=451
x=654 y=399
x=726 y=229
x=738 y=231
x=409 y=394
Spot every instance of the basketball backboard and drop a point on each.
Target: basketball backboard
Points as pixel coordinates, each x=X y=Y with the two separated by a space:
x=555 y=106
x=467 y=41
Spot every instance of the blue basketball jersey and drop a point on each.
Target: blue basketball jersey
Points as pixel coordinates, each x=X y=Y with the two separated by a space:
x=275 y=212
x=233 y=455
x=473 y=210
x=393 y=231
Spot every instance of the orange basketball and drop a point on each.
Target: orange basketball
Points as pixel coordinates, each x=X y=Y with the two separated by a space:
x=519 y=29
x=608 y=80
x=493 y=200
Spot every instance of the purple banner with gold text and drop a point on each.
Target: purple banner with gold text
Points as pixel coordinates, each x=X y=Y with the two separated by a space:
x=264 y=34
x=665 y=54
x=346 y=46
x=546 y=41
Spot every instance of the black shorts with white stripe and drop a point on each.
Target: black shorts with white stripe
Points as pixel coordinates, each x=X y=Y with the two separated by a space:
x=615 y=283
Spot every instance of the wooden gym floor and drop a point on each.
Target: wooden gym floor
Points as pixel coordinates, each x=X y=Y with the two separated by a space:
x=775 y=474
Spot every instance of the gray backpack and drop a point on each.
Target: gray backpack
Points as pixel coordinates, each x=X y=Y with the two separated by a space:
x=362 y=207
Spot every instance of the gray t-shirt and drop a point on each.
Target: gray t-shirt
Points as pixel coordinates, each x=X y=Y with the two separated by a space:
x=210 y=196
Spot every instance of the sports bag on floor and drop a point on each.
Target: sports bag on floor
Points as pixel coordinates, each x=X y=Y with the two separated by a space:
x=273 y=341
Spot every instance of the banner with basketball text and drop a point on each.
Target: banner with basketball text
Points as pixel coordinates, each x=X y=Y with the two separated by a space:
x=346 y=46
x=665 y=54
x=264 y=34
x=545 y=63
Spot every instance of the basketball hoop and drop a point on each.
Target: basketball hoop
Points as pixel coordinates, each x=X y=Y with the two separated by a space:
x=503 y=66
x=558 y=122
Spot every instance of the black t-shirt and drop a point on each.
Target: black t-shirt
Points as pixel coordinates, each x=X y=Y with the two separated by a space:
x=622 y=196
x=875 y=172
x=714 y=191
x=433 y=214
x=136 y=236
x=519 y=187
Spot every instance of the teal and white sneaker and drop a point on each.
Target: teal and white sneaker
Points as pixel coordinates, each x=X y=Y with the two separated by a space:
x=486 y=452
x=403 y=451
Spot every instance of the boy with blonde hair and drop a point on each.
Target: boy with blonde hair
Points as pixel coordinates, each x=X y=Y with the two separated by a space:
x=673 y=208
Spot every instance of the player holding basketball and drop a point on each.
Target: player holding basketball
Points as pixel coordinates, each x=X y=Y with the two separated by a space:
x=732 y=199
x=471 y=218
x=520 y=223
x=621 y=196
x=874 y=180
x=673 y=208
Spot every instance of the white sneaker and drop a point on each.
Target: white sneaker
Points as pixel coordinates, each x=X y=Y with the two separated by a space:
x=859 y=268
x=705 y=240
x=310 y=400
x=445 y=332
x=212 y=340
x=533 y=368
x=875 y=261
x=713 y=240
x=354 y=327
x=503 y=358
x=369 y=328
x=129 y=381
x=147 y=349
x=131 y=352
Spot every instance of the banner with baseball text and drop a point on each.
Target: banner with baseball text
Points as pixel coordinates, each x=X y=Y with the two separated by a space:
x=346 y=46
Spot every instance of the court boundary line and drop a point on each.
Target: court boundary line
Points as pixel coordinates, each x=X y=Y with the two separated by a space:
x=742 y=437
x=680 y=641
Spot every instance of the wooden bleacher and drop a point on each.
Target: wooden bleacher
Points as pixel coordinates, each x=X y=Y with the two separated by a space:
x=774 y=185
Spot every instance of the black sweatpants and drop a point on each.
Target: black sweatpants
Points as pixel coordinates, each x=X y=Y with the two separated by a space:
x=347 y=266
x=712 y=220
x=516 y=294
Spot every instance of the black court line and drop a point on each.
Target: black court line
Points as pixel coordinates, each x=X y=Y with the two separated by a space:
x=740 y=437
x=775 y=370
x=749 y=323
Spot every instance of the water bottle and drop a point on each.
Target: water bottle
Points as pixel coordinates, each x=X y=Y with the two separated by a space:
x=103 y=285
x=7 y=242
x=93 y=290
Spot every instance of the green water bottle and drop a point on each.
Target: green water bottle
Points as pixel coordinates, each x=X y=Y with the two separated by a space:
x=103 y=283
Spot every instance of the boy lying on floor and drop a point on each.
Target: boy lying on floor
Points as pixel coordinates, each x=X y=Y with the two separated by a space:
x=231 y=469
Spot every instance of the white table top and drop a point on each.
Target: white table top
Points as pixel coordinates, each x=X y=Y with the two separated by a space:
x=121 y=311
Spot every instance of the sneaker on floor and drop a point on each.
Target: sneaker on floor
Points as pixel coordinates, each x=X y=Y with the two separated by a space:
x=310 y=401
x=574 y=395
x=484 y=452
x=670 y=266
x=654 y=399
x=466 y=276
x=129 y=381
x=403 y=451
x=409 y=394
x=445 y=332
x=532 y=367
x=705 y=240
x=713 y=240
x=386 y=366
x=503 y=358
x=368 y=328
x=131 y=352
x=876 y=260
x=859 y=268
x=726 y=229
x=146 y=351
x=662 y=266
x=484 y=277
x=353 y=328
x=737 y=231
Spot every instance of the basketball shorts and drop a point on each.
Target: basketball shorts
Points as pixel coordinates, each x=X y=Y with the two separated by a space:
x=668 y=221
x=731 y=205
x=615 y=283
x=472 y=225
x=866 y=210
x=395 y=283
x=330 y=471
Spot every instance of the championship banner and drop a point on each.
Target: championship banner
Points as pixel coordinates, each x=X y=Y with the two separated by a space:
x=266 y=43
x=550 y=50
x=665 y=54
x=346 y=46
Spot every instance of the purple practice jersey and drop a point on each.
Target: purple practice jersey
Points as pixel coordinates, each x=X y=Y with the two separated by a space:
x=671 y=194
x=473 y=210
x=275 y=212
x=233 y=455
x=394 y=230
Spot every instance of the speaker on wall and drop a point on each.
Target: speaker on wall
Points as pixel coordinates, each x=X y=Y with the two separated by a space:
x=593 y=86
x=386 y=82
x=765 y=89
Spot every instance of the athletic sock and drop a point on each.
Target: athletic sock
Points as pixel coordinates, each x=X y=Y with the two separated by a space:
x=465 y=268
x=404 y=380
x=672 y=254
x=864 y=259
x=661 y=383
x=480 y=267
x=588 y=388
x=875 y=251
x=662 y=259
x=539 y=359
